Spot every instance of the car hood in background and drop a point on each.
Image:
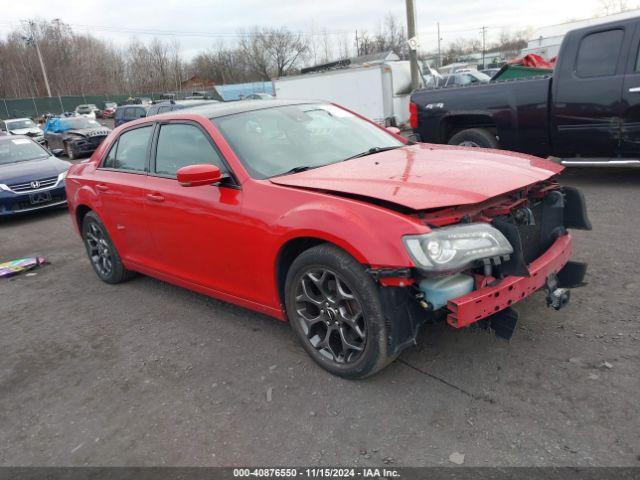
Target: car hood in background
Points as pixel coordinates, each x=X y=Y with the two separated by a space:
x=425 y=176
x=22 y=172
x=31 y=132
x=89 y=132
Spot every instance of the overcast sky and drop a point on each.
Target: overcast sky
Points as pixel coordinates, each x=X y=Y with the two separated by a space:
x=119 y=20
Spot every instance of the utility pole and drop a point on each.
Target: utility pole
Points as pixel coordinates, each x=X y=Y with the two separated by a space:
x=484 y=32
x=44 y=70
x=439 y=52
x=413 y=47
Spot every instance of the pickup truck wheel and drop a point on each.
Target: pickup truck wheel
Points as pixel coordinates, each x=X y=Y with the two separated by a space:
x=101 y=251
x=475 y=137
x=334 y=307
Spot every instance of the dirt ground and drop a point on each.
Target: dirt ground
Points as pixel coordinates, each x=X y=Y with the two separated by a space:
x=145 y=373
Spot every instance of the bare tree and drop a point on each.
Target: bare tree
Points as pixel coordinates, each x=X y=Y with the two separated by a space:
x=609 y=7
x=273 y=52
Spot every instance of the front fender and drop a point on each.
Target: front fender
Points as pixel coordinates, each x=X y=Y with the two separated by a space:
x=371 y=234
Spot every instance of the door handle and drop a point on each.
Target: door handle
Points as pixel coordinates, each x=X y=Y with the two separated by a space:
x=156 y=197
x=102 y=187
x=634 y=90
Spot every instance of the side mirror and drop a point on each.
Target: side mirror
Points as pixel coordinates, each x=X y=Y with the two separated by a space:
x=57 y=152
x=394 y=130
x=197 y=175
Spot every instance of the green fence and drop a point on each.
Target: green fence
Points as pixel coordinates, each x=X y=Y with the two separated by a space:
x=35 y=107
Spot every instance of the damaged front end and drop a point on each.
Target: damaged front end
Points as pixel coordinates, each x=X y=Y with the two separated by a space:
x=86 y=141
x=481 y=260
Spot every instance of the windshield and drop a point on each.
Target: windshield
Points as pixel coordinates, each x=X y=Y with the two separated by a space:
x=81 y=122
x=274 y=141
x=18 y=124
x=20 y=150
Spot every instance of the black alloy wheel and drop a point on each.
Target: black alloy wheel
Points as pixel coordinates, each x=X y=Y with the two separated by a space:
x=103 y=255
x=334 y=307
x=330 y=315
x=99 y=250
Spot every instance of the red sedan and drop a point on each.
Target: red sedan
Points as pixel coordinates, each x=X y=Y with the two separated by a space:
x=310 y=213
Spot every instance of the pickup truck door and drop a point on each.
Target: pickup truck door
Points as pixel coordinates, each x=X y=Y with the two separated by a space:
x=587 y=92
x=630 y=132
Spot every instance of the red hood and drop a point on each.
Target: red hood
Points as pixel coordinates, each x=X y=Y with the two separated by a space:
x=427 y=176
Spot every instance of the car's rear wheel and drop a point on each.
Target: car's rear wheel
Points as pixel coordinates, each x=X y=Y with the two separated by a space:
x=334 y=308
x=103 y=255
x=475 y=137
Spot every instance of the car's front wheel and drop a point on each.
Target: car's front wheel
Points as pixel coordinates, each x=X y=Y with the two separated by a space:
x=103 y=255
x=71 y=155
x=334 y=307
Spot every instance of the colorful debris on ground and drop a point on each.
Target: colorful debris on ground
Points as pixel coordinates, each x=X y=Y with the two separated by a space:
x=20 y=265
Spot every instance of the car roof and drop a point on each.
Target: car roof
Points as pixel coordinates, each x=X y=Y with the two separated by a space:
x=16 y=119
x=221 y=109
x=133 y=105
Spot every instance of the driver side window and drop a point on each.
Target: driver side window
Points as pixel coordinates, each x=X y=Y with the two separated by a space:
x=180 y=145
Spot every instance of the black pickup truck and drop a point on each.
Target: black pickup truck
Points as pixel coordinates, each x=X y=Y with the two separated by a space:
x=586 y=113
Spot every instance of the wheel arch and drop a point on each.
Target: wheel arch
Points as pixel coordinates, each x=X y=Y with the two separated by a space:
x=81 y=212
x=294 y=246
x=452 y=124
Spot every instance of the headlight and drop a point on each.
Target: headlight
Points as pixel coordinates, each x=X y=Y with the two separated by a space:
x=454 y=248
x=4 y=187
x=62 y=176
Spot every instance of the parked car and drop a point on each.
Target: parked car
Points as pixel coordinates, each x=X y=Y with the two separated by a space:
x=468 y=77
x=490 y=72
x=127 y=113
x=88 y=110
x=308 y=212
x=22 y=126
x=109 y=109
x=76 y=136
x=31 y=178
x=258 y=96
x=170 y=106
x=586 y=114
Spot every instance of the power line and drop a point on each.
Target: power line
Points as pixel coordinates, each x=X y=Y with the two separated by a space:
x=183 y=33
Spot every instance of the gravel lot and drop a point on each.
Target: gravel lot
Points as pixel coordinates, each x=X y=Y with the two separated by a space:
x=145 y=373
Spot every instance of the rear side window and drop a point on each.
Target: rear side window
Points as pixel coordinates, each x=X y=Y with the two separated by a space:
x=119 y=113
x=598 y=54
x=180 y=145
x=130 y=151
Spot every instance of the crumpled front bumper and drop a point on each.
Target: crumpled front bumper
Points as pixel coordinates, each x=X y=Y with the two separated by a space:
x=489 y=300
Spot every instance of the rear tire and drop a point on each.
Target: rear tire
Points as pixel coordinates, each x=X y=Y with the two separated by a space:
x=334 y=307
x=475 y=137
x=103 y=255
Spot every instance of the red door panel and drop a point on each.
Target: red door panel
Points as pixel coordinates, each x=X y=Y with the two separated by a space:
x=200 y=234
x=121 y=208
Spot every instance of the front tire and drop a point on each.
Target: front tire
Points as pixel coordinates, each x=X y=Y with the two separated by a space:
x=334 y=307
x=475 y=137
x=71 y=155
x=103 y=255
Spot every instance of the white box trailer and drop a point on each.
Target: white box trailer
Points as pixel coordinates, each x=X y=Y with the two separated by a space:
x=379 y=92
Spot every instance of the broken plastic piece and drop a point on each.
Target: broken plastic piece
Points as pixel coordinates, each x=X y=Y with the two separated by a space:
x=20 y=265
